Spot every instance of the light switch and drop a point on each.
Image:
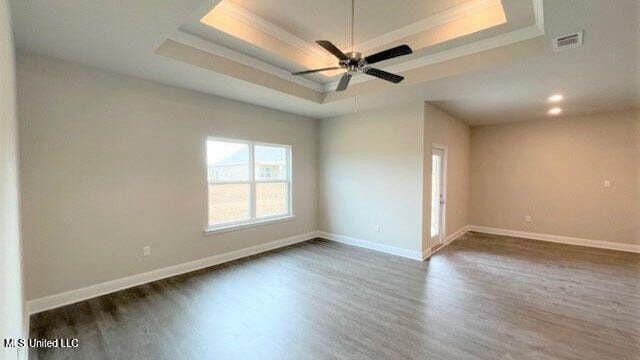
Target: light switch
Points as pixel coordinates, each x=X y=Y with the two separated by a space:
x=607 y=183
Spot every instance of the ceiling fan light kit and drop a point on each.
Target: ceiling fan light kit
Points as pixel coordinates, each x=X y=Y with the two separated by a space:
x=353 y=62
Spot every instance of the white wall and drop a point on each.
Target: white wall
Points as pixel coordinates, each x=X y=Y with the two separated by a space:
x=371 y=173
x=112 y=163
x=554 y=170
x=443 y=129
x=11 y=298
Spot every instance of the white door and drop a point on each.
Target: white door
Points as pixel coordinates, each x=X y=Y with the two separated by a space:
x=437 y=196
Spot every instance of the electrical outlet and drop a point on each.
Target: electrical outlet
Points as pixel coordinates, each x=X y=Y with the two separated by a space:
x=527 y=218
x=607 y=183
x=146 y=251
x=378 y=228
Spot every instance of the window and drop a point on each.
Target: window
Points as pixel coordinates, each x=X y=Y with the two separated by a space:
x=248 y=182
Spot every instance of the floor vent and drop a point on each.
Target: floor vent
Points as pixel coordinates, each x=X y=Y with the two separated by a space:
x=570 y=41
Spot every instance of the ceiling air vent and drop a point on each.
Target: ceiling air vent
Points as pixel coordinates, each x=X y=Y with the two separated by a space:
x=570 y=41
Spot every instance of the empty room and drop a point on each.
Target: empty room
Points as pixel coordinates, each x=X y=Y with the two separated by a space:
x=336 y=179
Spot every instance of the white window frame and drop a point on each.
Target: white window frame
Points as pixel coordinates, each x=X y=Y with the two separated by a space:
x=253 y=220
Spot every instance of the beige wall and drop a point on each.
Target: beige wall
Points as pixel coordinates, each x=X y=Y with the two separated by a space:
x=442 y=129
x=371 y=173
x=11 y=298
x=112 y=163
x=554 y=170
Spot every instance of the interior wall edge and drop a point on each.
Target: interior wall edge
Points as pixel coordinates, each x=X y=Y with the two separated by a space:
x=441 y=129
x=12 y=275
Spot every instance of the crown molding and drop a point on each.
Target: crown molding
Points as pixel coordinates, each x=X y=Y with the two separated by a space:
x=509 y=38
x=425 y=24
x=241 y=14
x=186 y=38
x=476 y=47
x=251 y=19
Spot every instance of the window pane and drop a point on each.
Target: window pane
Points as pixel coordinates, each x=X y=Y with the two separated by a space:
x=271 y=162
x=271 y=199
x=227 y=161
x=228 y=203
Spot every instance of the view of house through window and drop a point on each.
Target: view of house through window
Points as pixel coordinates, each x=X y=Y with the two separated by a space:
x=247 y=181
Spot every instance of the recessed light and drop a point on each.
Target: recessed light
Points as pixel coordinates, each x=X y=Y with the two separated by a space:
x=555 y=111
x=556 y=98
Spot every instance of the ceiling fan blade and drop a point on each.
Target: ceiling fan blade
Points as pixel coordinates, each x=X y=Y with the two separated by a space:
x=384 y=75
x=344 y=82
x=316 y=70
x=388 y=54
x=327 y=45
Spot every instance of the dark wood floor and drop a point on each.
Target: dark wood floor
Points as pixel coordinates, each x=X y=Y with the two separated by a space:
x=482 y=297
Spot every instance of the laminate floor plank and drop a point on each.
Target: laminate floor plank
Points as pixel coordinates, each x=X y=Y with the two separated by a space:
x=481 y=297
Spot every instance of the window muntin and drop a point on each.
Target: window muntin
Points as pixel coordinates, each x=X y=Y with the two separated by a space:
x=247 y=182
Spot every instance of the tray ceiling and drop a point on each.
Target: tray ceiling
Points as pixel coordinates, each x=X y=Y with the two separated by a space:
x=312 y=20
x=276 y=37
x=501 y=74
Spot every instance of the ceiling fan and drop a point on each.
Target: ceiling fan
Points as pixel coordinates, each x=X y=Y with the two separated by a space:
x=354 y=62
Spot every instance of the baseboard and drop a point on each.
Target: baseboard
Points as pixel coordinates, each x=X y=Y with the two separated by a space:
x=448 y=240
x=463 y=230
x=73 y=296
x=389 y=249
x=557 y=239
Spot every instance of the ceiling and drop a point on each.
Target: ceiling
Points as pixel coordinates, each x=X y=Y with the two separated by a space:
x=467 y=61
x=251 y=30
x=330 y=18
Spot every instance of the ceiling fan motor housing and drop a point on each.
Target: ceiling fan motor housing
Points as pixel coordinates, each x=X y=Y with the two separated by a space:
x=355 y=63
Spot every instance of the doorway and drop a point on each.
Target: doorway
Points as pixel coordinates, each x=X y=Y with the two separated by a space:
x=438 y=194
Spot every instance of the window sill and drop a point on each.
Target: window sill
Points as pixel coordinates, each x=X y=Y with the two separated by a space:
x=224 y=229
